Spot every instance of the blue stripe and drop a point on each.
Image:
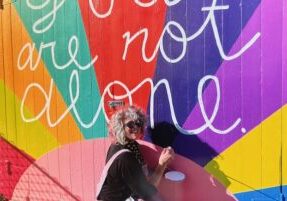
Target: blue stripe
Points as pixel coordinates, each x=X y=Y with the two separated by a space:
x=268 y=194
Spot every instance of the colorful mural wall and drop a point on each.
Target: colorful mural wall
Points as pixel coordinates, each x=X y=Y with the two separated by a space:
x=211 y=75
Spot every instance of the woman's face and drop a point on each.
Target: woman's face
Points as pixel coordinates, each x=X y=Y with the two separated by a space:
x=133 y=129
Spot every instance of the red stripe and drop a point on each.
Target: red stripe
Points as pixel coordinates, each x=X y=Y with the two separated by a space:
x=13 y=163
x=105 y=38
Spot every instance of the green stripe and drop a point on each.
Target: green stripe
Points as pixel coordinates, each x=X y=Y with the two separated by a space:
x=68 y=23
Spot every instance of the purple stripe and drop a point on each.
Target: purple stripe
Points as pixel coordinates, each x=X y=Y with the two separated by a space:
x=284 y=50
x=251 y=86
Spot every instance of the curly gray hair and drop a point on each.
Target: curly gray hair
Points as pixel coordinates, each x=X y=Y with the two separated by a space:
x=116 y=124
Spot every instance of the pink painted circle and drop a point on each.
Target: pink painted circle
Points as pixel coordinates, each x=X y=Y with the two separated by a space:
x=71 y=172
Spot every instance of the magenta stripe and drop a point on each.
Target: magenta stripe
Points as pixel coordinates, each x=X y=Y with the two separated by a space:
x=284 y=50
x=251 y=86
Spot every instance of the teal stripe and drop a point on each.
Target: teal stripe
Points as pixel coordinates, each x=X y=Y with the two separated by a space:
x=68 y=23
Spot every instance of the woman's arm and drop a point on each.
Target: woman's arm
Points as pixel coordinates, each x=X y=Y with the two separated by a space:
x=166 y=156
x=157 y=175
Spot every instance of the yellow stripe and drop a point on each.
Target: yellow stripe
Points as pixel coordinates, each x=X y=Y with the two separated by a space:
x=18 y=80
x=2 y=110
x=253 y=162
x=284 y=145
x=32 y=138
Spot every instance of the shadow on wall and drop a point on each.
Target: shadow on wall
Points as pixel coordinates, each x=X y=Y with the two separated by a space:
x=219 y=173
x=164 y=134
x=198 y=185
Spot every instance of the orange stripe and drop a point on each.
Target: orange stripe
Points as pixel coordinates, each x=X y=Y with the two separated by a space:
x=15 y=37
x=1 y=49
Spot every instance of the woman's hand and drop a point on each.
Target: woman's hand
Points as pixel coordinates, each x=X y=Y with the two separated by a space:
x=166 y=156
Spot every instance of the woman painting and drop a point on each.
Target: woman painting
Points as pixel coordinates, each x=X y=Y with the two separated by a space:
x=127 y=176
